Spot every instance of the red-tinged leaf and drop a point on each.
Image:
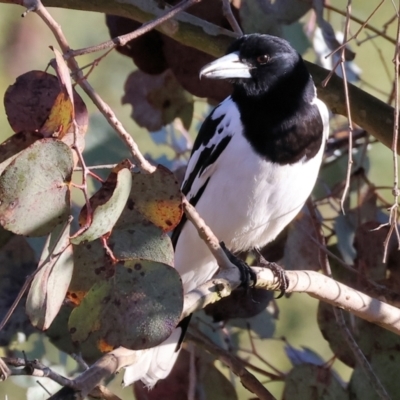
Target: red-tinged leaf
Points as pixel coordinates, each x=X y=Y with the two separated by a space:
x=29 y=101
x=49 y=287
x=62 y=113
x=107 y=204
x=138 y=308
x=60 y=119
x=34 y=189
x=157 y=100
x=157 y=197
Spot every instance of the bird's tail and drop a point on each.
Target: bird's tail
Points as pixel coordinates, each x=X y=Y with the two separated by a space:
x=155 y=363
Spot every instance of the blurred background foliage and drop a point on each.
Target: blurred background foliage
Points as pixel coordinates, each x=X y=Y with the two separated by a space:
x=24 y=46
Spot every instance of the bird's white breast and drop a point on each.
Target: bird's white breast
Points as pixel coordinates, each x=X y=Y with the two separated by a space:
x=247 y=202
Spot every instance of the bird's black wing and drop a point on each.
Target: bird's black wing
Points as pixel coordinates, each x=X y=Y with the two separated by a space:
x=211 y=141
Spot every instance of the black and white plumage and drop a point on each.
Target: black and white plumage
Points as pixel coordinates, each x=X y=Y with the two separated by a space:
x=253 y=165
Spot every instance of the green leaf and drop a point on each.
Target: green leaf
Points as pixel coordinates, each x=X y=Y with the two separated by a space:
x=91 y=265
x=87 y=317
x=60 y=337
x=50 y=284
x=307 y=381
x=142 y=240
x=107 y=204
x=15 y=144
x=138 y=308
x=34 y=188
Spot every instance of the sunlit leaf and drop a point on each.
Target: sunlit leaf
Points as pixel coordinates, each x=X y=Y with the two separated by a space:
x=59 y=335
x=49 y=287
x=30 y=100
x=107 y=205
x=138 y=308
x=15 y=144
x=62 y=113
x=157 y=197
x=34 y=188
x=60 y=118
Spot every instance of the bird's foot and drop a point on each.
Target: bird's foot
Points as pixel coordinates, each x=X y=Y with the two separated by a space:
x=247 y=276
x=278 y=271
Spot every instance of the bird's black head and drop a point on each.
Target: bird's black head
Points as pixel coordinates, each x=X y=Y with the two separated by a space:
x=258 y=63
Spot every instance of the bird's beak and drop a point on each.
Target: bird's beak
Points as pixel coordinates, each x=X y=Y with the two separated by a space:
x=226 y=67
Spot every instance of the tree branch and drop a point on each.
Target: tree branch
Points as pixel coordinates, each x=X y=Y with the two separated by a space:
x=370 y=113
x=314 y=284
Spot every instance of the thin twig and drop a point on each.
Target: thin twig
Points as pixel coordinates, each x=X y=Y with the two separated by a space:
x=393 y=216
x=34 y=368
x=104 y=108
x=103 y=166
x=124 y=39
x=279 y=373
x=363 y=25
x=361 y=22
x=22 y=367
x=94 y=63
x=228 y=14
x=350 y=127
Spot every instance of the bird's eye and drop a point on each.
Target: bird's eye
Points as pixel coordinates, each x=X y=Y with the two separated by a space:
x=263 y=59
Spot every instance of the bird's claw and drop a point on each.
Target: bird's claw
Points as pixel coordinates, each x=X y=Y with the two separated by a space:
x=247 y=276
x=279 y=274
